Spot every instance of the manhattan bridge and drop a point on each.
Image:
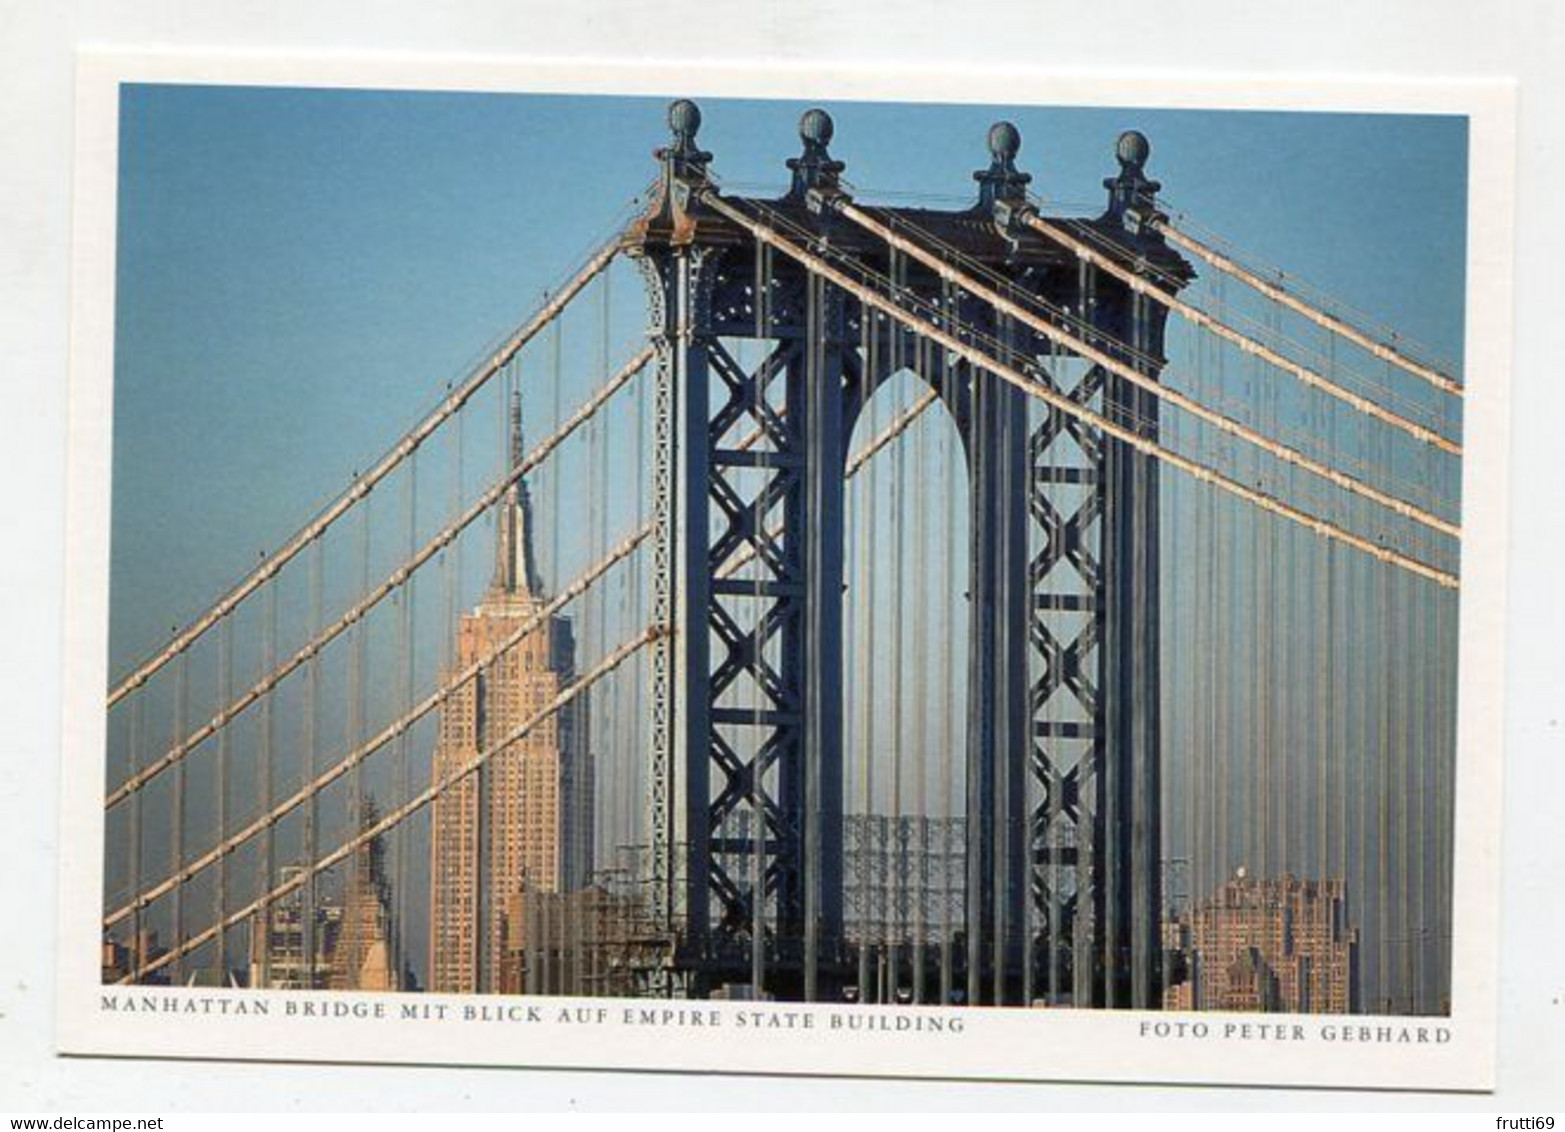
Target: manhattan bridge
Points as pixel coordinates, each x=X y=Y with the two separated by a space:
x=954 y=596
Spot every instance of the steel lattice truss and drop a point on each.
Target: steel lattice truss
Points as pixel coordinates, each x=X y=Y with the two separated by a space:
x=1066 y=504
x=753 y=525
x=754 y=619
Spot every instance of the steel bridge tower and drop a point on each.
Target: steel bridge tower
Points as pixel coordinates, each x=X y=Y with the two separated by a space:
x=1062 y=747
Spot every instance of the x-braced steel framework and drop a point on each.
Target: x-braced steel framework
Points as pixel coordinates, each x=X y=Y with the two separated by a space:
x=763 y=368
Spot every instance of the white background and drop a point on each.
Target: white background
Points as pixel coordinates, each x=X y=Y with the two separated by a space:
x=1362 y=38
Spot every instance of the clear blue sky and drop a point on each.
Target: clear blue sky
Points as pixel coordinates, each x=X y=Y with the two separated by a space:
x=300 y=272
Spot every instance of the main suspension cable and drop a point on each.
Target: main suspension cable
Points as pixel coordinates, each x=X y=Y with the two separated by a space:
x=1142 y=381
x=1321 y=318
x=1245 y=343
x=365 y=483
x=1033 y=388
x=392 y=731
x=393 y=818
x=388 y=586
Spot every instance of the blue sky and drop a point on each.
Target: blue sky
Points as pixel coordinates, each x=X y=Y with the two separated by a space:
x=300 y=272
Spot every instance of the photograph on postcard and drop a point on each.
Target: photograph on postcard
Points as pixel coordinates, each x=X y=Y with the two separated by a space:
x=918 y=560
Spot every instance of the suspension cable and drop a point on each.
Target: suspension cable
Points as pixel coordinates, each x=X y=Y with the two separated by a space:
x=392 y=582
x=393 y=730
x=1180 y=400
x=897 y=426
x=1321 y=318
x=1032 y=388
x=1127 y=415
x=393 y=818
x=365 y=483
x=1265 y=328
x=1065 y=320
x=1245 y=343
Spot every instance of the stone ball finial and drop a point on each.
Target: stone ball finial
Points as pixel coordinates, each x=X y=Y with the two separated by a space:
x=684 y=119
x=816 y=127
x=1005 y=141
x=1133 y=148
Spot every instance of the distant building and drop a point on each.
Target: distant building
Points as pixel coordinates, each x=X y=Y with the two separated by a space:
x=584 y=942
x=345 y=943
x=521 y=823
x=288 y=949
x=1179 y=996
x=362 y=956
x=1273 y=944
x=120 y=960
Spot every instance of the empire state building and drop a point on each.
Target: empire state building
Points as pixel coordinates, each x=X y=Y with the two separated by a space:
x=522 y=823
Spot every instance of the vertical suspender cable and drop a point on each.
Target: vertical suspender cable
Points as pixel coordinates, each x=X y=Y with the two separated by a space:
x=309 y=945
x=948 y=762
x=403 y=774
x=635 y=783
x=920 y=879
x=1259 y=657
x=581 y=803
x=181 y=710
x=225 y=680
x=268 y=738
x=868 y=561
x=556 y=368
x=136 y=727
x=899 y=714
x=752 y=621
x=358 y=724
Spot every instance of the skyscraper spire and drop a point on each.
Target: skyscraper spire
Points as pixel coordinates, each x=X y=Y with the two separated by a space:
x=515 y=569
x=524 y=826
x=517 y=454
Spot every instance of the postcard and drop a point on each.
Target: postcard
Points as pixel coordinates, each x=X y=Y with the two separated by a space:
x=990 y=577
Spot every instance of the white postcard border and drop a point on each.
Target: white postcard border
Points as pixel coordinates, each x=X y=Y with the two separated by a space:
x=991 y=1043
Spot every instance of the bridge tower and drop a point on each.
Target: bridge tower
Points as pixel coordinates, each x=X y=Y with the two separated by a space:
x=1062 y=898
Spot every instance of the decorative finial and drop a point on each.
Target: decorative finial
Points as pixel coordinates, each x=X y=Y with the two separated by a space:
x=1132 y=149
x=816 y=128
x=1005 y=142
x=1132 y=189
x=684 y=159
x=684 y=121
x=1002 y=181
x=815 y=168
